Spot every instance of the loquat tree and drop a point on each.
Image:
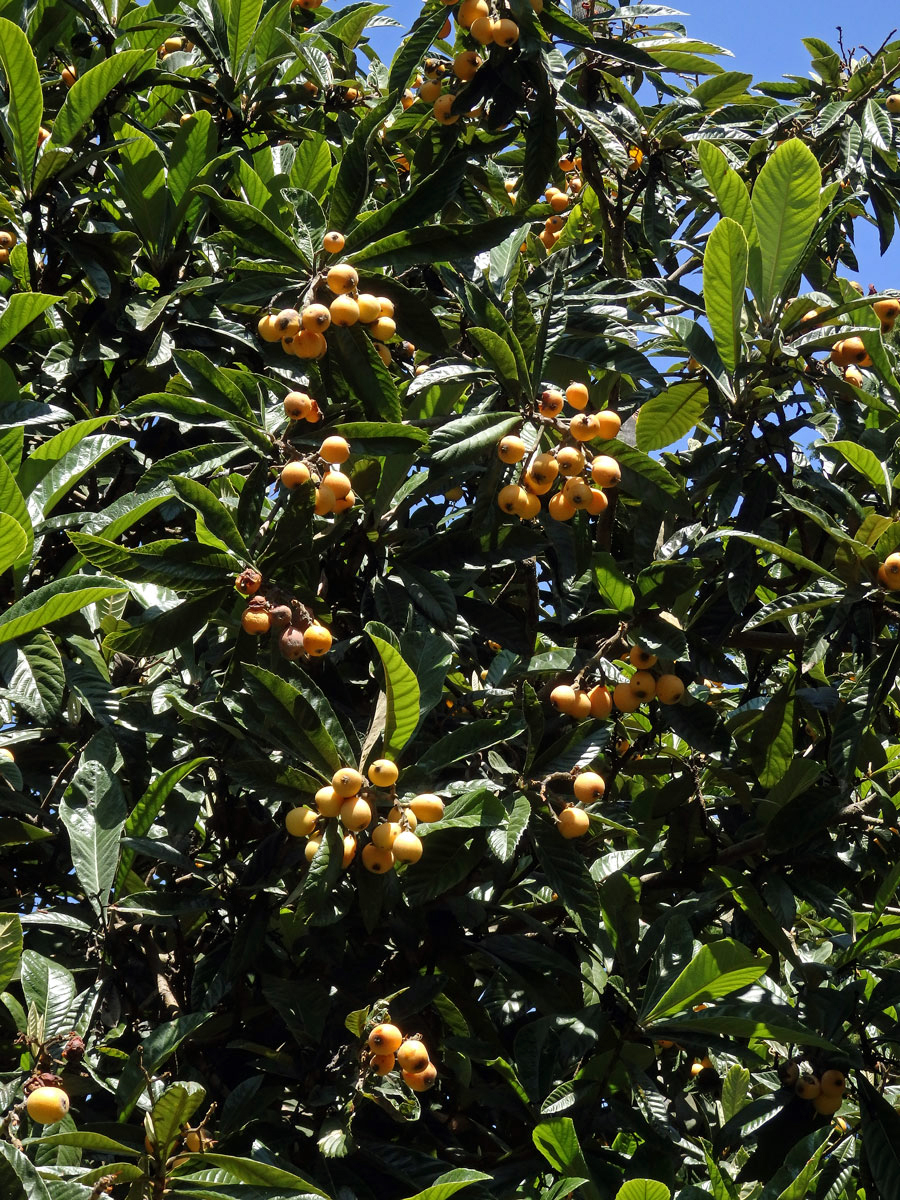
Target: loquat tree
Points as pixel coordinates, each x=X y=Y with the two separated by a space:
x=449 y=608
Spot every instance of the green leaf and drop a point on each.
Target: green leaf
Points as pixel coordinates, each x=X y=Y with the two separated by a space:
x=436 y=244
x=558 y=1141
x=719 y=968
x=13 y=541
x=643 y=1189
x=462 y=440
x=735 y=1090
x=758 y=1020
x=352 y=181
x=420 y=38
x=243 y=16
x=786 y=207
x=38 y=683
x=868 y=465
x=567 y=875
x=157 y=1047
x=216 y=516
x=783 y=552
x=724 y=282
x=49 y=987
x=12 y=503
x=255 y=232
x=251 y=1170
x=22 y=309
x=54 y=601
x=19 y=1177
x=93 y=811
x=85 y=1141
x=148 y=808
x=772 y=742
x=10 y=947
x=612 y=583
x=880 y=1139
x=499 y=357
x=668 y=417
x=172 y=1110
x=449 y=1184
x=91 y=89
x=733 y=199
x=26 y=101
x=401 y=694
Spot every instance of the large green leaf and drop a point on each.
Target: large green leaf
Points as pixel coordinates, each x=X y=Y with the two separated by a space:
x=880 y=1139
x=173 y=1110
x=216 y=516
x=38 y=682
x=92 y=88
x=672 y=414
x=54 y=601
x=449 y=1184
x=724 y=282
x=558 y=1142
x=93 y=811
x=13 y=541
x=149 y=807
x=243 y=16
x=643 y=1189
x=50 y=987
x=786 y=207
x=401 y=691
x=869 y=465
x=733 y=199
x=21 y=310
x=10 y=947
x=719 y=968
x=26 y=100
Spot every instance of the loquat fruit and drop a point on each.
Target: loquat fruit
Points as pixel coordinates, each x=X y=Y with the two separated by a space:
x=597 y=503
x=312 y=848
x=379 y=860
x=328 y=801
x=383 y=835
x=887 y=312
x=355 y=813
x=300 y=821
x=344 y=311
x=827 y=1106
x=335 y=450
x=316 y=318
x=68 y=75
x=316 y=640
x=641 y=658
x=511 y=497
x=47 y=1105
x=325 y=501
x=577 y=492
x=471 y=10
x=854 y=377
x=430 y=91
x=566 y=164
x=505 y=32
x=543 y=470
x=559 y=202
x=608 y=424
x=643 y=685
x=669 y=689
x=369 y=307
x=625 y=699
x=482 y=29
x=309 y=344
x=287 y=321
x=605 y=471
x=601 y=702
x=381 y=1064
x=421 y=1081
x=511 y=449
x=850 y=351
x=588 y=787
x=383 y=329
x=387 y=306
x=555 y=223
x=337 y=482
x=333 y=242
x=383 y=773
x=427 y=807
x=529 y=507
x=465 y=65
x=279 y=617
x=342 y=279
x=577 y=395
x=892 y=104
x=551 y=403
x=296 y=405
x=394 y=817
x=407 y=847
x=290 y=644
x=412 y=1055
x=344 y=502
x=385 y=1039
x=349 y=851
x=563 y=697
x=248 y=582
x=255 y=620
x=833 y=1083
x=443 y=110
x=383 y=353
x=808 y=1087
x=573 y=822
x=347 y=782
x=584 y=427
x=267 y=328
x=561 y=508
x=570 y=460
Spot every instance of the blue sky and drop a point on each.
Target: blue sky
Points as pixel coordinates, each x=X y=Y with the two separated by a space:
x=765 y=38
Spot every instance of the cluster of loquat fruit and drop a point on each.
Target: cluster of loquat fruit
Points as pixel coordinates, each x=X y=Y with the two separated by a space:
x=349 y=799
x=172 y=45
x=850 y=354
x=487 y=25
x=8 y=240
x=825 y=1091
x=334 y=490
x=573 y=821
x=559 y=202
x=889 y=572
x=388 y=1049
x=627 y=696
x=299 y=634
x=570 y=460
x=302 y=332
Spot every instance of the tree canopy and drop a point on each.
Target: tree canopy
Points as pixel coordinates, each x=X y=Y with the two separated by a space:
x=449 y=599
